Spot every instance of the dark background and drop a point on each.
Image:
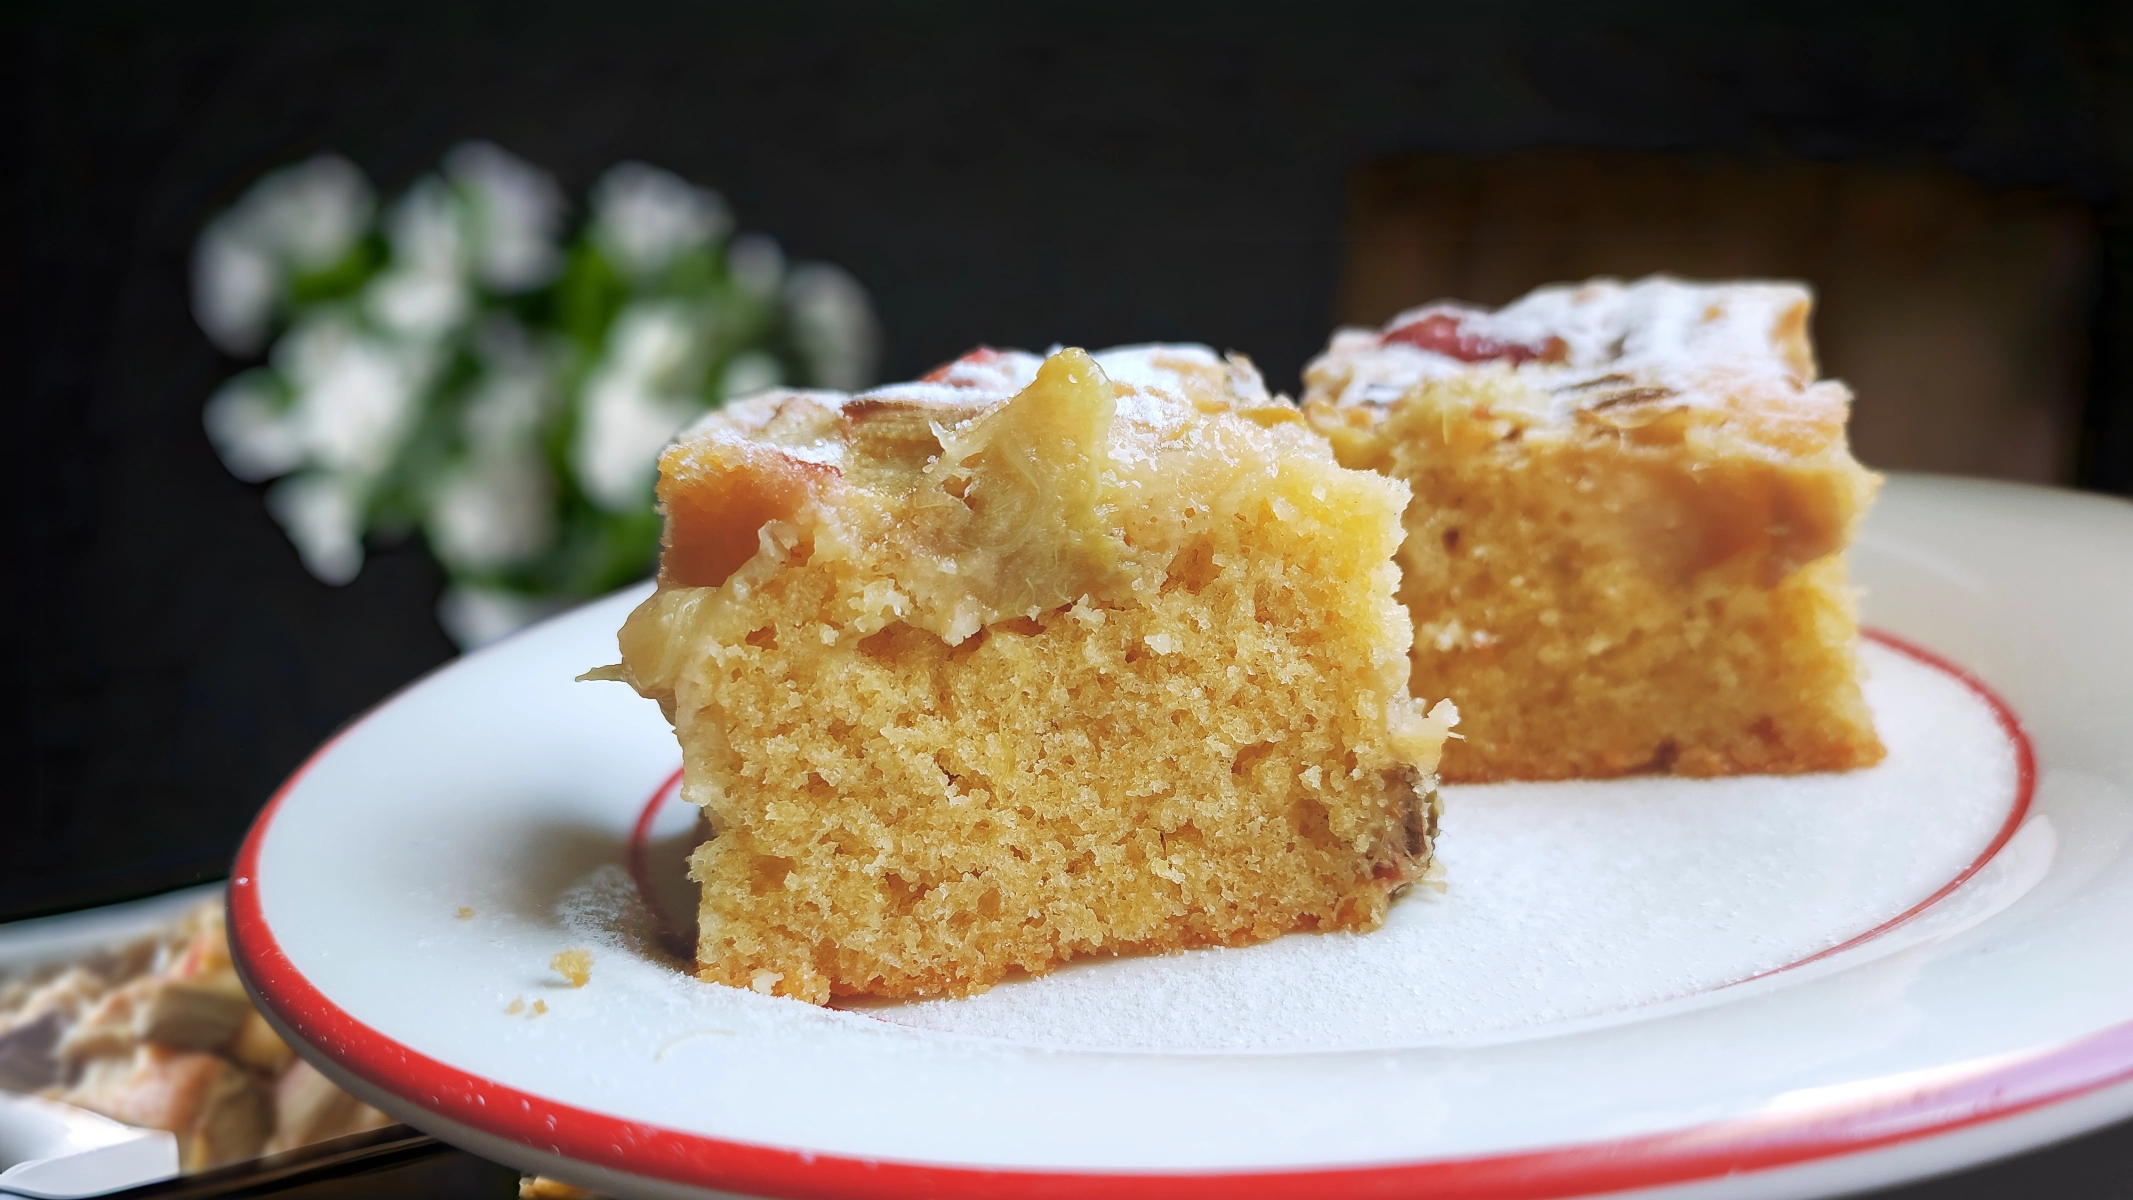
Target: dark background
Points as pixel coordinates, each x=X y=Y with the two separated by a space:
x=1093 y=174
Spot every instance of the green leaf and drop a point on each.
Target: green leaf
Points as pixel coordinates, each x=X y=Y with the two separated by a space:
x=587 y=296
x=343 y=278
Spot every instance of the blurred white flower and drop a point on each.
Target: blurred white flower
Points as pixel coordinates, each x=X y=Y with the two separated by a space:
x=313 y=212
x=416 y=305
x=515 y=211
x=300 y=218
x=750 y=372
x=323 y=515
x=423 y=293
x=758 y=265
x=516 y=393
x=236 y=288
x=633 y=405
x=424 y=231
x=475 y=616
x=496 y=508
x=492 y=511
x=833 y=324
x=642 y=217
x=355 y=394
x=254 y=428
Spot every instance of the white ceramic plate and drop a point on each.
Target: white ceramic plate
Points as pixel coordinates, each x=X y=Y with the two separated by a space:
x=1737 y=988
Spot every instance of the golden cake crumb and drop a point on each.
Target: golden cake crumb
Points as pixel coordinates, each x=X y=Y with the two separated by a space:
x=517 y=1005
x=539 y=1007
x=573 y=965
x=1625 y=547
x=466 y=914
x=1033 y=659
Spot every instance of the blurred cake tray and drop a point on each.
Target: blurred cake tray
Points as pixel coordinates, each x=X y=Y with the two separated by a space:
x=1734 y=988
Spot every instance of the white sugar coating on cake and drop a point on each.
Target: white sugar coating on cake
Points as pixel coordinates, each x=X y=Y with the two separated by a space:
x=1568 y=901
x=1148 y=366
x=1657 y=321
x=1154 y=378
x=1658 y=328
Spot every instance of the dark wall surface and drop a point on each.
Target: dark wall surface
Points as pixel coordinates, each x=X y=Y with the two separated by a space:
x=1088 y=177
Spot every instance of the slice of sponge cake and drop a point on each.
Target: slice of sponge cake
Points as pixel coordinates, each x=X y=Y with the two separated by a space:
x=1625 y=550
x=1029 y=660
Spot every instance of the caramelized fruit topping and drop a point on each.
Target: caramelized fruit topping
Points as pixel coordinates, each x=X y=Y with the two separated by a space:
x=1443 y=333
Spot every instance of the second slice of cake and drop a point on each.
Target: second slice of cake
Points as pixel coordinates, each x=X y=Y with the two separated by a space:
x=1033 y=659
x=1626 y=546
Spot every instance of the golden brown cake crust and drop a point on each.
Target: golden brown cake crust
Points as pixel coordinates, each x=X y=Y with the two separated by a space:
x=1036 y=660
x=1625 y=548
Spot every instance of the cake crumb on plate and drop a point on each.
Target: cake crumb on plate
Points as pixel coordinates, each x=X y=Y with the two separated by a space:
x=573 y=965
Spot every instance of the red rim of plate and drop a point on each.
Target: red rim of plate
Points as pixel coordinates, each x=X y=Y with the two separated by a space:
x=1905 y=1113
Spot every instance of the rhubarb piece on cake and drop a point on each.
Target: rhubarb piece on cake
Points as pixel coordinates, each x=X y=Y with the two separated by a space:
x=1028 y=660
x=1625 y=549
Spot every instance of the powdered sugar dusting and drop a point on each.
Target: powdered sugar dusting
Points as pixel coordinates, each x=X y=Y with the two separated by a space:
x=1699 y=340
x=606 y=909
